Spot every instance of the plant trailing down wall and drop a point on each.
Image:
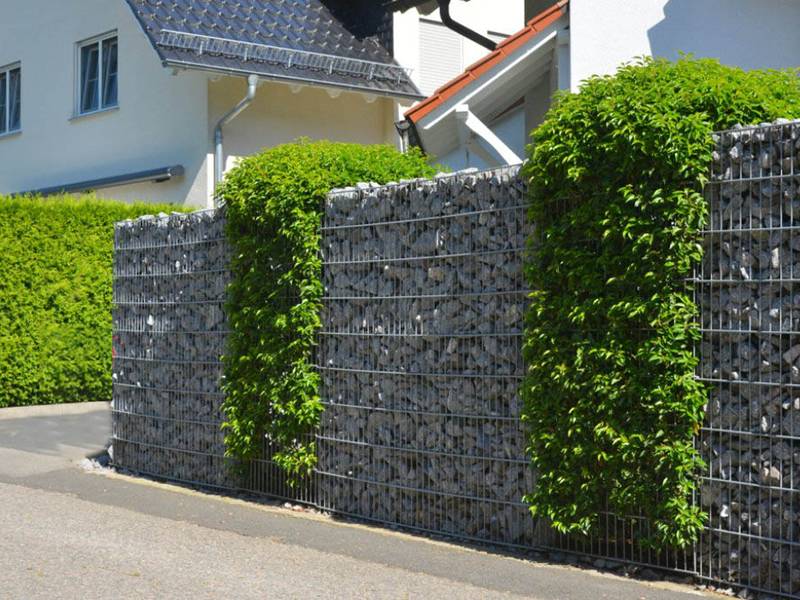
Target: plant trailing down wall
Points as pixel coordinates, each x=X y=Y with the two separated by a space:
x=55 y=297
x=274 y=202
x=610 y=399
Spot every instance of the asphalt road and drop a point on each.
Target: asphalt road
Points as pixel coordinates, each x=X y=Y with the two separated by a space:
x=68 y=533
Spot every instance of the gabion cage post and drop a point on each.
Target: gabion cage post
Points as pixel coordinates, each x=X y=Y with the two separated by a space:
x=749 y=296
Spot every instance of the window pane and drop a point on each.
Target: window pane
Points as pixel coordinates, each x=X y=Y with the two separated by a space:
x=3 y=103
x=14 y=100
x=89 y=79
x=110 y=72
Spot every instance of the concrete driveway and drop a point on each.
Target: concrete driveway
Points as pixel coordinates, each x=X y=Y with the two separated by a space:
x=70 y=533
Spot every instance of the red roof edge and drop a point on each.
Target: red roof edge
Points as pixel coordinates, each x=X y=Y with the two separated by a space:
x=476 y=70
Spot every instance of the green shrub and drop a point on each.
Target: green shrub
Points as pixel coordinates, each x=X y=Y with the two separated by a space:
x=55 y=298
x=274 y=202
x=616 y=173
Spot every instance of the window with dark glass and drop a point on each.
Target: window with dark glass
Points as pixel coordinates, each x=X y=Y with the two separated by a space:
x=98 y=75
x=10 y=99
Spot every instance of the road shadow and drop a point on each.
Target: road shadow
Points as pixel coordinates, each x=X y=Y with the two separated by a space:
x=88 y=433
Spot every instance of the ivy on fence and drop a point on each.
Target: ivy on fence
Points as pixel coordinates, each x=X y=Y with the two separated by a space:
x=616 y=175
x=274 y=205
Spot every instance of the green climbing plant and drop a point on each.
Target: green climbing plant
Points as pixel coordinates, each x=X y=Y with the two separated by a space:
x=616 y=174
x=274 y=206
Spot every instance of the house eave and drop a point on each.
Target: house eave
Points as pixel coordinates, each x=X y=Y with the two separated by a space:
x=289 y=79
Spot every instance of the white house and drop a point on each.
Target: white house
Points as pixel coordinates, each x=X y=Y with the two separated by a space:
x=126 y=96
x=482 y=117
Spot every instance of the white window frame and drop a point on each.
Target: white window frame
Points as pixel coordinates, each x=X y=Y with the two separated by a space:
x=94 y=41
x=5 y=118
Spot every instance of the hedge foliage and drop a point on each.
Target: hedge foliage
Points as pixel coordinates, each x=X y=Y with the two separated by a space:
x=274 y=204
x=56 y=261
x=616 y=173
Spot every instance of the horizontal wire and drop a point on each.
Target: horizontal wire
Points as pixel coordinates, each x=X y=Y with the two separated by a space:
x=416 y=374
x=419 y=412
x=172 y=245
x=711 y=430
x=428 y=296
x=171 y=332
x=421 y=490
x=180 y=303
x=169 y=361
x=760 y=281
x=735 y=230
x=166 y=390
x=761 y=486
x=423 y=219
x=169 y=448
x=171 y=419
x=721 y=182
x=418 y=335
x=180 y=274
x=747 y=382
x=453 y=455
x=747 y=331
x=368 y=261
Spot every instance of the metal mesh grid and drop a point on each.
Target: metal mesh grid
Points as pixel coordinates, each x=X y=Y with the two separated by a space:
x=420 y=362
x=748 y=289
x=420 y=357
x=170 y=280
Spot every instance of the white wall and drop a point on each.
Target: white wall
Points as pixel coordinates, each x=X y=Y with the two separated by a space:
x=279 y=115
x=161 y=120
x=481 y=15
x=510 y=128
x=746 y=33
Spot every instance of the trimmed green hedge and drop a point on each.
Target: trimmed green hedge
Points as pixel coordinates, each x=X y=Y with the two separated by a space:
x=274 y=202
x=616 y=174
x=55 y=298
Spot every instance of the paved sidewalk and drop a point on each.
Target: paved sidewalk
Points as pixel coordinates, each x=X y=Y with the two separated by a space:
x=68 y=533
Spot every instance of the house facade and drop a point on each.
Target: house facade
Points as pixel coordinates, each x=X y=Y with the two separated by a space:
x=124 y=96
x=482 y=117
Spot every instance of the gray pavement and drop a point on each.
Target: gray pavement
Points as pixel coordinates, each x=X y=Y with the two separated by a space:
x=68 y=533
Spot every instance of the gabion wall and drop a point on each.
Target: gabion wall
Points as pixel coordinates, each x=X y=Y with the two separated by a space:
x=420 y=356
x=748 y=288
x=420 y=362
x=171 y=273
x=170 y=279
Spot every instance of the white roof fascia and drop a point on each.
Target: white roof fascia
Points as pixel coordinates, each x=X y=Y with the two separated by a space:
x=486 y=83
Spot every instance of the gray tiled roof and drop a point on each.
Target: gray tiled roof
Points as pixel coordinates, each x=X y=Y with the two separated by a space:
x=289 y=40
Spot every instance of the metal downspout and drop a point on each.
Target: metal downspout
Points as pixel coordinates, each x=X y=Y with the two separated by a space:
x=219 y=155
x=447 y=20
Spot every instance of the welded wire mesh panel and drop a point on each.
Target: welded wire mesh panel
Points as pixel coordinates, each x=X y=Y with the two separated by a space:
x=170 y=276
x=421 y=362
x=748 y=289
x=420 y=357
x=170 y=279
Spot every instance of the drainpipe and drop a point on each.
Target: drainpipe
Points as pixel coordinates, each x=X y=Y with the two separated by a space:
x=219 y=168
x=447 y=20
